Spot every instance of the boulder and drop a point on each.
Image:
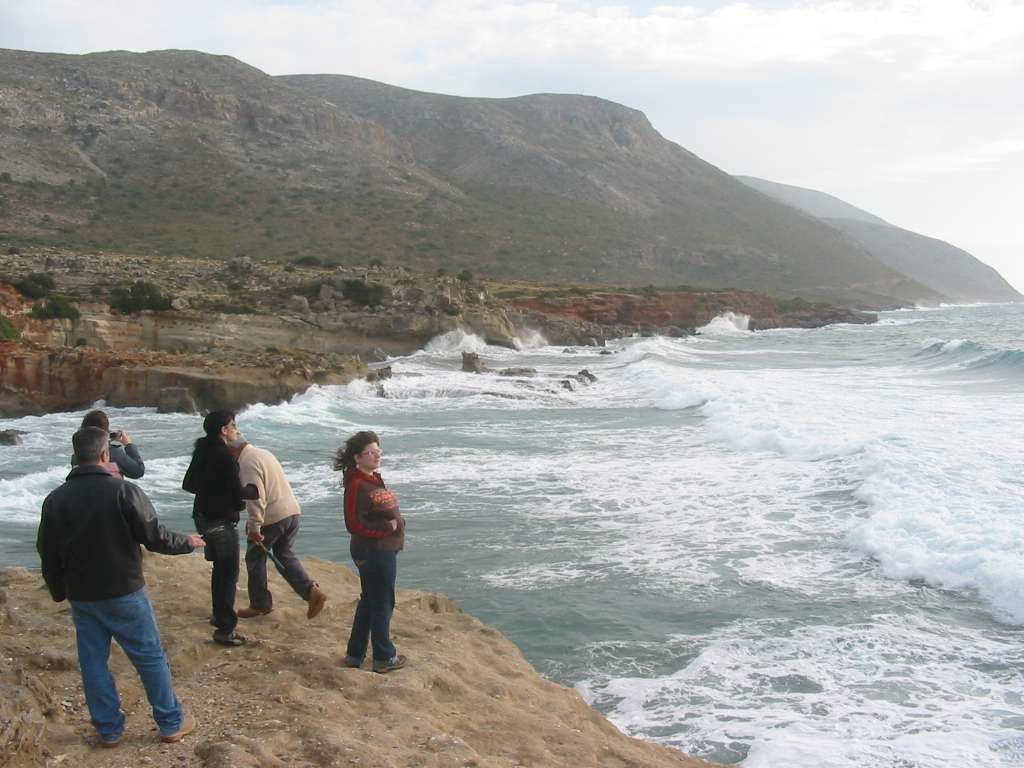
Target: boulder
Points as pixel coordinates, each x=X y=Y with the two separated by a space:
x=326 y=292
x=180 y=304
x=176 y=400
x=584 y=377
x=379 y=374
x=471 y=363
x=11 y=436
x=518 y=372
x=299 y=304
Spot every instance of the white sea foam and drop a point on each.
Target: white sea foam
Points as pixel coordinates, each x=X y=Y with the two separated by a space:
x=888 y=691
x=454 y=342
x=531 y=339
x=953 y=524
x=728 y=323
x=23 y=496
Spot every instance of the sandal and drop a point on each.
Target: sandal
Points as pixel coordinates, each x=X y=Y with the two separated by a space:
x=234 y=639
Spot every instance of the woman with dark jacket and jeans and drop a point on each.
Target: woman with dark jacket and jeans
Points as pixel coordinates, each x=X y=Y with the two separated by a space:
x=213 y=478
x=377 y=536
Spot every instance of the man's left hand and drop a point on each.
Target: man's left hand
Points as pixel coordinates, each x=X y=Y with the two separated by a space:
x=255 y=537
x=196 y=541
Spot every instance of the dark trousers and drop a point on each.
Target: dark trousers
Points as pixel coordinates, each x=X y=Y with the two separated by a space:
x=278 y=538
x=372 y=621
x=222 y=550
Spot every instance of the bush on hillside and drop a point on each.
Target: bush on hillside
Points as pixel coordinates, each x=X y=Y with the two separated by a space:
x=7 y=330
x=55 y=307
x=362 y=293
x=138 y=296
x=36 y=286
x=465 y=276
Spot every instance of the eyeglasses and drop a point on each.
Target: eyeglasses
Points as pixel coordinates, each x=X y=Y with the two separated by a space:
x=371 y=453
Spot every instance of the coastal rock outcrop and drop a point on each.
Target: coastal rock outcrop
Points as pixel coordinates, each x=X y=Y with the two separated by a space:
x=467 y=698
x=581 y=319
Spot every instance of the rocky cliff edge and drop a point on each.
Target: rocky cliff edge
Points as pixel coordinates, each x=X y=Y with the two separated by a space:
x=467 y=699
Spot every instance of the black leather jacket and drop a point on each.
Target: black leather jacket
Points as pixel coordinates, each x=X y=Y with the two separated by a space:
x=90 y=532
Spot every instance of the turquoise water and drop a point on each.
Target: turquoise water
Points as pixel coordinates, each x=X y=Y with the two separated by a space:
x=792 y=547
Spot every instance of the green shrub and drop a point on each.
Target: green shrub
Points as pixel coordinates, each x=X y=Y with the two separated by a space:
x=36 y=286
x=7 y=330
x=362 y=293
x=465 y=275
x=138 y=296
x=376 y=263
x=55 y=307
x=307 y=261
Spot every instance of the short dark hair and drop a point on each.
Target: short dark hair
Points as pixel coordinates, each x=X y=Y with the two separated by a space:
x=96 y=419
x=89 y=443
x=345 y=458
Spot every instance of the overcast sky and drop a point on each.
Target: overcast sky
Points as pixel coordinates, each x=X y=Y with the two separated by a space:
x=910 y=109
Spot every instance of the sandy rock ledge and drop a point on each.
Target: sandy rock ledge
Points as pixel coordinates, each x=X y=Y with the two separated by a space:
x=468 y=699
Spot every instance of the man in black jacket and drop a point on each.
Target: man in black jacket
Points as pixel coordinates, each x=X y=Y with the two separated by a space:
x=88 y=542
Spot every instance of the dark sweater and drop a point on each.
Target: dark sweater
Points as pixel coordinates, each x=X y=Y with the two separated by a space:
x=213 y=478
x=89 y=536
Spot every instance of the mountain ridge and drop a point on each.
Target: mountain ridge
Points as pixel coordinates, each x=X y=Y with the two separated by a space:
x=184 y=152
x=932 y=262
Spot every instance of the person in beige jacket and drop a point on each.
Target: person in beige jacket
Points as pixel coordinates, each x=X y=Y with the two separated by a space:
x=271 y=529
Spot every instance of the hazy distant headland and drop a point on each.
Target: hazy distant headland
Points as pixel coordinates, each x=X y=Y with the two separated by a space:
x=184 y=153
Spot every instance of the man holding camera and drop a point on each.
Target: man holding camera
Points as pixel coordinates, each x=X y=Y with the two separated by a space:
x=124 y=454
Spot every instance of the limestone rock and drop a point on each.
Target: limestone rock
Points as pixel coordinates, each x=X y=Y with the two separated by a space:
x=11 y=436
x=471 y=363
x=379 y=374
x=176 y=400
x=518 y=372
x=299 y=304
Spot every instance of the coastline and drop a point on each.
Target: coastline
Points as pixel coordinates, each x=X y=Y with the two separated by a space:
x=243 y=332
x=468 y=697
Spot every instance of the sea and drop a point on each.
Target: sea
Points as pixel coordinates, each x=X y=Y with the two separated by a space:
x=799 y=548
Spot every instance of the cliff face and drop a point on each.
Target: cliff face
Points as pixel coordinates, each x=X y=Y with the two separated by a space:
x=467 y=698
x=670 y=313
x=38 y=380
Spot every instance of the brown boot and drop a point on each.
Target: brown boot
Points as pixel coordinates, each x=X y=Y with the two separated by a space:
x=250 y=612
x=316 y=602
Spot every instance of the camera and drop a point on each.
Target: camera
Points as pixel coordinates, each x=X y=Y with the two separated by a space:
x=115 y=435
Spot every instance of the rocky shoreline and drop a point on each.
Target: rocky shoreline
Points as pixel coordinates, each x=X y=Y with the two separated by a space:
x=240 y=332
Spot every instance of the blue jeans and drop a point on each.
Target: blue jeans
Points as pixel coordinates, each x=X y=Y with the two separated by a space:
x=130 y=621
x=377 y=574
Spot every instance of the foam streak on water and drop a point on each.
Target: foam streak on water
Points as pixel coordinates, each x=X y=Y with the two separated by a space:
x=794 y=547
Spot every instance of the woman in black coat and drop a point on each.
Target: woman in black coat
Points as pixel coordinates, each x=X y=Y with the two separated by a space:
x=213 y=478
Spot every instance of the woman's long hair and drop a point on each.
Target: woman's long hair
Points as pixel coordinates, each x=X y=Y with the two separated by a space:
x=212 y=425
x=345 y=458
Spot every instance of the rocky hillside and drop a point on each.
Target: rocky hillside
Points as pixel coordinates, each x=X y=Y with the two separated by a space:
x=942 y=267
x=183 y=153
